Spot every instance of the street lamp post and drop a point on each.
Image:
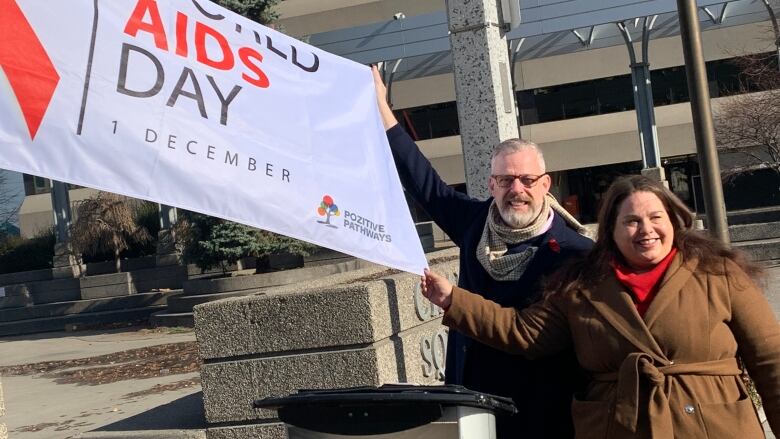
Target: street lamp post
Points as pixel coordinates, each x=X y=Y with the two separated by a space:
x=702 y=120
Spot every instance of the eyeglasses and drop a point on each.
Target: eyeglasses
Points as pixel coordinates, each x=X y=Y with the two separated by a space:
x=505 y=181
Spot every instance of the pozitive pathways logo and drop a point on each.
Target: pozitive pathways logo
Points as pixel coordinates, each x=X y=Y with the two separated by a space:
x=352 y=221
x=327 y=209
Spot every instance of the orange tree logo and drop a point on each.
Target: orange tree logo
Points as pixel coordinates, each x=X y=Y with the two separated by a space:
x=327 y=209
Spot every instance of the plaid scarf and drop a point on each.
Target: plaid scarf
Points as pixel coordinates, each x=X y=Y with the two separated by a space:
x=492 y=247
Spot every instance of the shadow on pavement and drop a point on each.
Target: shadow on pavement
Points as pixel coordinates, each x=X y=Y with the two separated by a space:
x=184 y=413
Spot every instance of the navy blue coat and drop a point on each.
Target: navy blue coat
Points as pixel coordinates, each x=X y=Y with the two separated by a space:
x=542 y=389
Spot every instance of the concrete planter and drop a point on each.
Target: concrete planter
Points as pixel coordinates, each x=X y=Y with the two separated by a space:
x=260 y=281
x=109 y=267
x=106 y=285
x=365 y=327
x=281 y=261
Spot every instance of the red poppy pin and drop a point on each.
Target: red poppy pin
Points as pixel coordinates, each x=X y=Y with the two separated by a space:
x=554 y=246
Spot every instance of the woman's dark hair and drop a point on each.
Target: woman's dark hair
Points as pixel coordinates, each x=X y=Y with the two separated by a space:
x=690 y=243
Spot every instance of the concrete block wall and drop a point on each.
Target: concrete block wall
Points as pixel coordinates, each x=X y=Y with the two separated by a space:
x=25 y=276
x=16 y=296
x=363 y=328
x=57 y=290
x=270 y=279
x=170 y=277
x=109 y=267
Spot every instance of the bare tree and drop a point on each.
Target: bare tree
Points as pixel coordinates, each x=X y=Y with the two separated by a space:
x=106 y=223
x=770 y=8
x=748 y=124
x=9 y=205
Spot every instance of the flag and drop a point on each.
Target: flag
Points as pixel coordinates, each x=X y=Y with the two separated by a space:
x=188 y=104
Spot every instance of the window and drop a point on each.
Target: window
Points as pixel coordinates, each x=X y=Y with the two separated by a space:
x=614 y=94
x=41 y=185
x=580 y=99
x=430 y=121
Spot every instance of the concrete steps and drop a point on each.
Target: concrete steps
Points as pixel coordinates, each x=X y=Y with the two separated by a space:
x=764 y=250
x=199 y=291
x=753 y=216
x=754 y=232
x=60 y=323
x=179 y=311
x=57 y=316
x=34 y=302
x=58 y=309
x=182 y=303
x=761 y=241
x=168 y=319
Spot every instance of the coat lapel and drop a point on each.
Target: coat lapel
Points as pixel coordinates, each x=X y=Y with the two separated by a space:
x=614 y=303
x=675 y=278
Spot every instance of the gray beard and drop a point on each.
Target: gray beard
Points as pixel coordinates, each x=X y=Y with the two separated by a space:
x=517 y=220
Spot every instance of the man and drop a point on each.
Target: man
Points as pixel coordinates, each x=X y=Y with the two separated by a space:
x=508 y=244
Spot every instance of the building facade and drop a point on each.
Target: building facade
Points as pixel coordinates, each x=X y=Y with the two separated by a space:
x=574 y=96
x=573 y=91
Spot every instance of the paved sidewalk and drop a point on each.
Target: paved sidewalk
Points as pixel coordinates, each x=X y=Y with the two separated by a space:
x=3 y=429
x=97 y=384
x=120 y=388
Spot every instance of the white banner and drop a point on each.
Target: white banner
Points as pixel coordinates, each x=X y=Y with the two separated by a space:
x=187 y=104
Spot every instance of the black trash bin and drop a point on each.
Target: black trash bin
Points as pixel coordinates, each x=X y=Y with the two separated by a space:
x=397 y=411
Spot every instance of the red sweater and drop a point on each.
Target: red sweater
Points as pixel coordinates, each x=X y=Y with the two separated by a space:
x=644 y=286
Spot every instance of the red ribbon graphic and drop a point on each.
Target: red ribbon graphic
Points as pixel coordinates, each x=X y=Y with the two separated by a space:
x=26 y=64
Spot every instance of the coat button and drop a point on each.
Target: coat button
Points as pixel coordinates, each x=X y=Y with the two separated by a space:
x=689 y=409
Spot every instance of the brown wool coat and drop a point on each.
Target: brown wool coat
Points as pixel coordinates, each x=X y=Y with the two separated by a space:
x=671 y=374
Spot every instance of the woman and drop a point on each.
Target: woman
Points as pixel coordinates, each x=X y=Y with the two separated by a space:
x=656 y=314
